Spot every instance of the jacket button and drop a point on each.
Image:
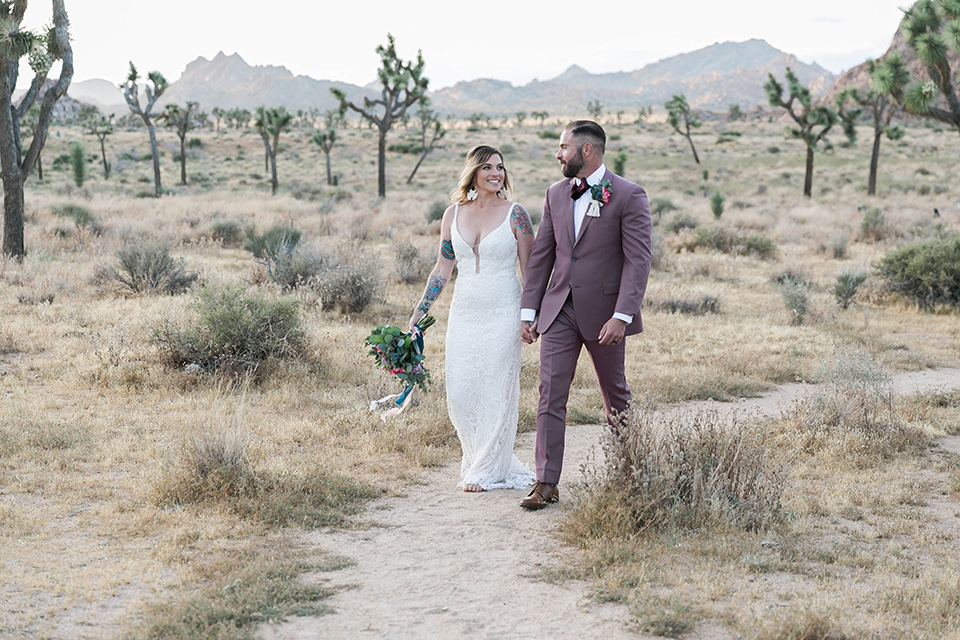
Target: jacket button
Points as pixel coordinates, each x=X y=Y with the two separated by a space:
x=573 y=259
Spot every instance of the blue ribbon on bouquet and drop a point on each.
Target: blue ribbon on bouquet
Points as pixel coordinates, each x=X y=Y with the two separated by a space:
x=418 y=343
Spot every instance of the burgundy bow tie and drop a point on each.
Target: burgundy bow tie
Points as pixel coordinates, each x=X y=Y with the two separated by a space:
x=578 y=190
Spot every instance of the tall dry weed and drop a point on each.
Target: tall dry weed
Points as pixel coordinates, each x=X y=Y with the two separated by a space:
x=679 y=470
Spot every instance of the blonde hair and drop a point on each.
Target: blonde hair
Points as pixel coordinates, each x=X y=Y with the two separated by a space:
x=476 y=158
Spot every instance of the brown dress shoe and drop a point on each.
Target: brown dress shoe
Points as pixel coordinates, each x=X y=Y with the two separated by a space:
x=541 y=495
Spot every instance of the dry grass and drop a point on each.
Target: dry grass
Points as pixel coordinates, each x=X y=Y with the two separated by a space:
x=102 y=504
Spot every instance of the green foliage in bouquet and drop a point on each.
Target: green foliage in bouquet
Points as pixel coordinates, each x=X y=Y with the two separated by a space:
x=400 y=353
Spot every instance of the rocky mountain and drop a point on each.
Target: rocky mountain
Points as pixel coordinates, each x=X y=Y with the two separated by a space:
x=711 y=78
x=228 y=82
x=859 y=77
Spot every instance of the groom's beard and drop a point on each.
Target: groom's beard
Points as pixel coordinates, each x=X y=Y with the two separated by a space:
x=573 y=166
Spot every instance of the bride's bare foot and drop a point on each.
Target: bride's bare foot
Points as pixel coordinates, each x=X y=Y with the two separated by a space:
x=472 y=488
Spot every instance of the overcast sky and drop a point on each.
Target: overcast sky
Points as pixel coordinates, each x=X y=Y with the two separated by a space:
x=514 y=41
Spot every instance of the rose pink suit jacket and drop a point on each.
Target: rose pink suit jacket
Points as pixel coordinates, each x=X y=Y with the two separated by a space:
x=605 y=268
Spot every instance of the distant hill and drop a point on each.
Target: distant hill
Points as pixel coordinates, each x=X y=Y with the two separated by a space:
x=103 y=94
x=711 y=78
x=228 y=82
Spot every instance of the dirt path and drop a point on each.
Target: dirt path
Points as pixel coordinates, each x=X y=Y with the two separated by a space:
x=445 y=564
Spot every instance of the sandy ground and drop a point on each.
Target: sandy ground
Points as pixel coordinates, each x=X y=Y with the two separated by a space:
x=441 y=563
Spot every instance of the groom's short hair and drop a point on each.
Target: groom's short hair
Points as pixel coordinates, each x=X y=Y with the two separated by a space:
x=591 y=131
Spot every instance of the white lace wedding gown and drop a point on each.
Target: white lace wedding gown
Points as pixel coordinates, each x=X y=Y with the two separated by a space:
x=483 y=358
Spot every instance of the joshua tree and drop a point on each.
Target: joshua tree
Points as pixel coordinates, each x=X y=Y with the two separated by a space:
x=403 y=84
x=735 y=114
x=217 y=114
x=41 y=49
x=540 y=115
x=677 y=110
x=813 y=123
x=430 y=127
x=28 y=125
x=131 y=95
x=325 y=141
x=595 y=109
x=884 y=99
x=181 y=120
x=931 y=27
x=271 y=123
x=521 y=116
x=97 y=124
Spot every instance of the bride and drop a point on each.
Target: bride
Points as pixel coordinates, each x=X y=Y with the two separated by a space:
x=485 y=235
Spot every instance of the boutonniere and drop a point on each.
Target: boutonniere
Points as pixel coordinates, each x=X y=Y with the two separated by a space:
x=599 y=196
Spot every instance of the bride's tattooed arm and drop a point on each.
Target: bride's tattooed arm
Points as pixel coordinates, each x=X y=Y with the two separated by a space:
x=436 y=281
x=434 y=286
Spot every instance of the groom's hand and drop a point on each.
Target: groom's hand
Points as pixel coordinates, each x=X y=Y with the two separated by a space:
x=528 y=332
x=612 y=332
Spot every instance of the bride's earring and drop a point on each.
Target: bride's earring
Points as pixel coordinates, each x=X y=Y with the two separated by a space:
x=502 y=193
x=472 y=194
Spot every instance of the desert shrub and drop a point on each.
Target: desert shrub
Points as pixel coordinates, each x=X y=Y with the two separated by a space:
x=272 y=239
x=855 y=414
x=233 y=329
x=435 y=212
x=873 y=227
x=194 y=143
x=680 y=222
x=350 y=287
x=406 y=147
x=78 y=163
x=838 y=245
x=846 y=286
x=927 y=273
x=727 y=240
x=716 y=204
x=548 y=134
x=660 y=206
x=678 y=470
x=792 y=273
x=924 y=229
x=411 y=267
x=215 y=467
x=291 y=264
x=61 y=161
x=228 y=232
x=797 y=300
x=80 y=216
x=695 y=306
x=620 y=162
x=146 y=265
x=311 y=192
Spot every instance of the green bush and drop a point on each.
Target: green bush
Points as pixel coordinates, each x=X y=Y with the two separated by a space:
x=81 y=216
x=927 y=273
x=797 y=300
x=274 y=238
x=838 y=245
x=233 y=329
x=680 y=222
x=547 y=134
x=146 y=265
x=660 y=206
x=78 y=163
x=194 y=143
x=695 y=306
x=716 y=204
x=620 y=162
x=228 y=232
x=406 y=147
x=729 y=241
x=873 y=227
x=846 y=286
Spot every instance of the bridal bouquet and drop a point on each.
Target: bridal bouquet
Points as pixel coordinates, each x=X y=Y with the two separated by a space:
x=401 y=354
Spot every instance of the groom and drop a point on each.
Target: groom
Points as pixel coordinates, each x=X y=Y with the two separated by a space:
x=584 y=284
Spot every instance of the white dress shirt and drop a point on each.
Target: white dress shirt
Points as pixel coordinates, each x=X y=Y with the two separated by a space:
x=579 y=211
